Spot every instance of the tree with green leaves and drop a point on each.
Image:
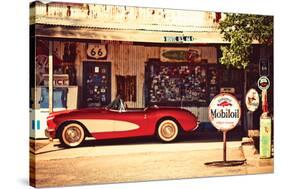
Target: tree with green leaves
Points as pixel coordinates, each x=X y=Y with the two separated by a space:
x=241 y=30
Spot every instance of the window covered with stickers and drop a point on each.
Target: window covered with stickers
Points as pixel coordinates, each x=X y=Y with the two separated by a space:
x=176 y=83
x=96 y=84
x=180 y=84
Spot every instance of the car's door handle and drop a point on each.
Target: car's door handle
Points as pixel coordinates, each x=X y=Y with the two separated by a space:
x=145 y=116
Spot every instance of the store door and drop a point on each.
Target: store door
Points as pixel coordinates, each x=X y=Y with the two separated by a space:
x=96 y=84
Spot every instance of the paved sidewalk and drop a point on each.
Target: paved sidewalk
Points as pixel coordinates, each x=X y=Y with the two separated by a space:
x=130 y=162
x=256 y=165
x=54 y=151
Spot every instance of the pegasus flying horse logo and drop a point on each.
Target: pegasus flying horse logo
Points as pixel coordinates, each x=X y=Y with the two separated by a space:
x=224 y=104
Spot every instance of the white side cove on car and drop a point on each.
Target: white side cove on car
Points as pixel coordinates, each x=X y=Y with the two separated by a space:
x=104 y=125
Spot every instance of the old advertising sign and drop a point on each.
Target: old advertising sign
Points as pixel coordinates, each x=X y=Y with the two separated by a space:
x=252 y=100
x=170 y=54
x=96 y=51
x=224 y=112
x=58 y=79
x=263 y=83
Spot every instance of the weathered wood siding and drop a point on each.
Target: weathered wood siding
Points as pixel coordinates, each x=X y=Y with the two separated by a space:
x=128 y=59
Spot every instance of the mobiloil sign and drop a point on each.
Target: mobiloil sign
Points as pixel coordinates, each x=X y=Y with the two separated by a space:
x=224 y=112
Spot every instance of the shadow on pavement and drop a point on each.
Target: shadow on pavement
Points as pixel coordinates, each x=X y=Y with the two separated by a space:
x=183 y=138
x=210 y=135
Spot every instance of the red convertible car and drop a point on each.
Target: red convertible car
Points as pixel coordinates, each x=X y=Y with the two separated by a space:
x=115 y=121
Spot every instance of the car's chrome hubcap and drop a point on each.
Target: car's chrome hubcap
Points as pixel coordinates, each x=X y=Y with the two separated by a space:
x=72 y=134
x=168 y=130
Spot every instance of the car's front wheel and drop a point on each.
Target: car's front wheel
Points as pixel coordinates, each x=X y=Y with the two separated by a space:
x=168 y=130
x=72 y=135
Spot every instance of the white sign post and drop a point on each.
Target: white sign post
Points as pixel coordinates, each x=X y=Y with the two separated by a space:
x=224 y=114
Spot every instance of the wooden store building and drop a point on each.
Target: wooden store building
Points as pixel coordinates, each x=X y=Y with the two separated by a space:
x=149 y=56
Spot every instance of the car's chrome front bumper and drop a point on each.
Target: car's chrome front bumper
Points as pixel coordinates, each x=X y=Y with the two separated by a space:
x=49 y=134
x=197 y=125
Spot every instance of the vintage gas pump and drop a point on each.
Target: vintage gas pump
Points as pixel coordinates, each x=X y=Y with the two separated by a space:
x=265 y=120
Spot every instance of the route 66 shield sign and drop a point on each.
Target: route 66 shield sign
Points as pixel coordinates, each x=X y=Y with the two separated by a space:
x=96 y=51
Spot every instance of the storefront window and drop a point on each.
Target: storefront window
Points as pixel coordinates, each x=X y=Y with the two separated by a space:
x=64 y=55
x=41 y=60
x=177 y=84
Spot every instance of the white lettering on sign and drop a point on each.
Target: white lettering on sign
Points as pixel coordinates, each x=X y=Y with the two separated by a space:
x=58 y=79
x=224 y=112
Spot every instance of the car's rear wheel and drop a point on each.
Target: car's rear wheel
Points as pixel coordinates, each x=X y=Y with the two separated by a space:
x=168 y=130
x=72 y=135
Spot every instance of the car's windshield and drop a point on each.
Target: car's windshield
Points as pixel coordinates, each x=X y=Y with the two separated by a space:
x=116 y=104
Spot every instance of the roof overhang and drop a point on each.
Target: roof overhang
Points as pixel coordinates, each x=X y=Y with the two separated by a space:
x=51 y=31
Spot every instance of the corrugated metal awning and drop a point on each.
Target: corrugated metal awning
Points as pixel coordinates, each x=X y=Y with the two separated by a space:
x=122 y=35
x=107 y=22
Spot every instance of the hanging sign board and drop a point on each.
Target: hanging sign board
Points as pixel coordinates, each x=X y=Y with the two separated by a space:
x=170 y=54
x=96 y=51
x=263 y=83
x=252 y=100
x=224 y=112
x=178 y=39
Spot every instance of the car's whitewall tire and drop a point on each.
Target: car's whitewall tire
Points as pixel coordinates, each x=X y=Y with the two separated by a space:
x=72 y=135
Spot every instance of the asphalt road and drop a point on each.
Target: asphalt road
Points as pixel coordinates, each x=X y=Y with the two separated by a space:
x=135 y=160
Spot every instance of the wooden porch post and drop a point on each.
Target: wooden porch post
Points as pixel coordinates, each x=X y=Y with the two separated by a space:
x=50 y=76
